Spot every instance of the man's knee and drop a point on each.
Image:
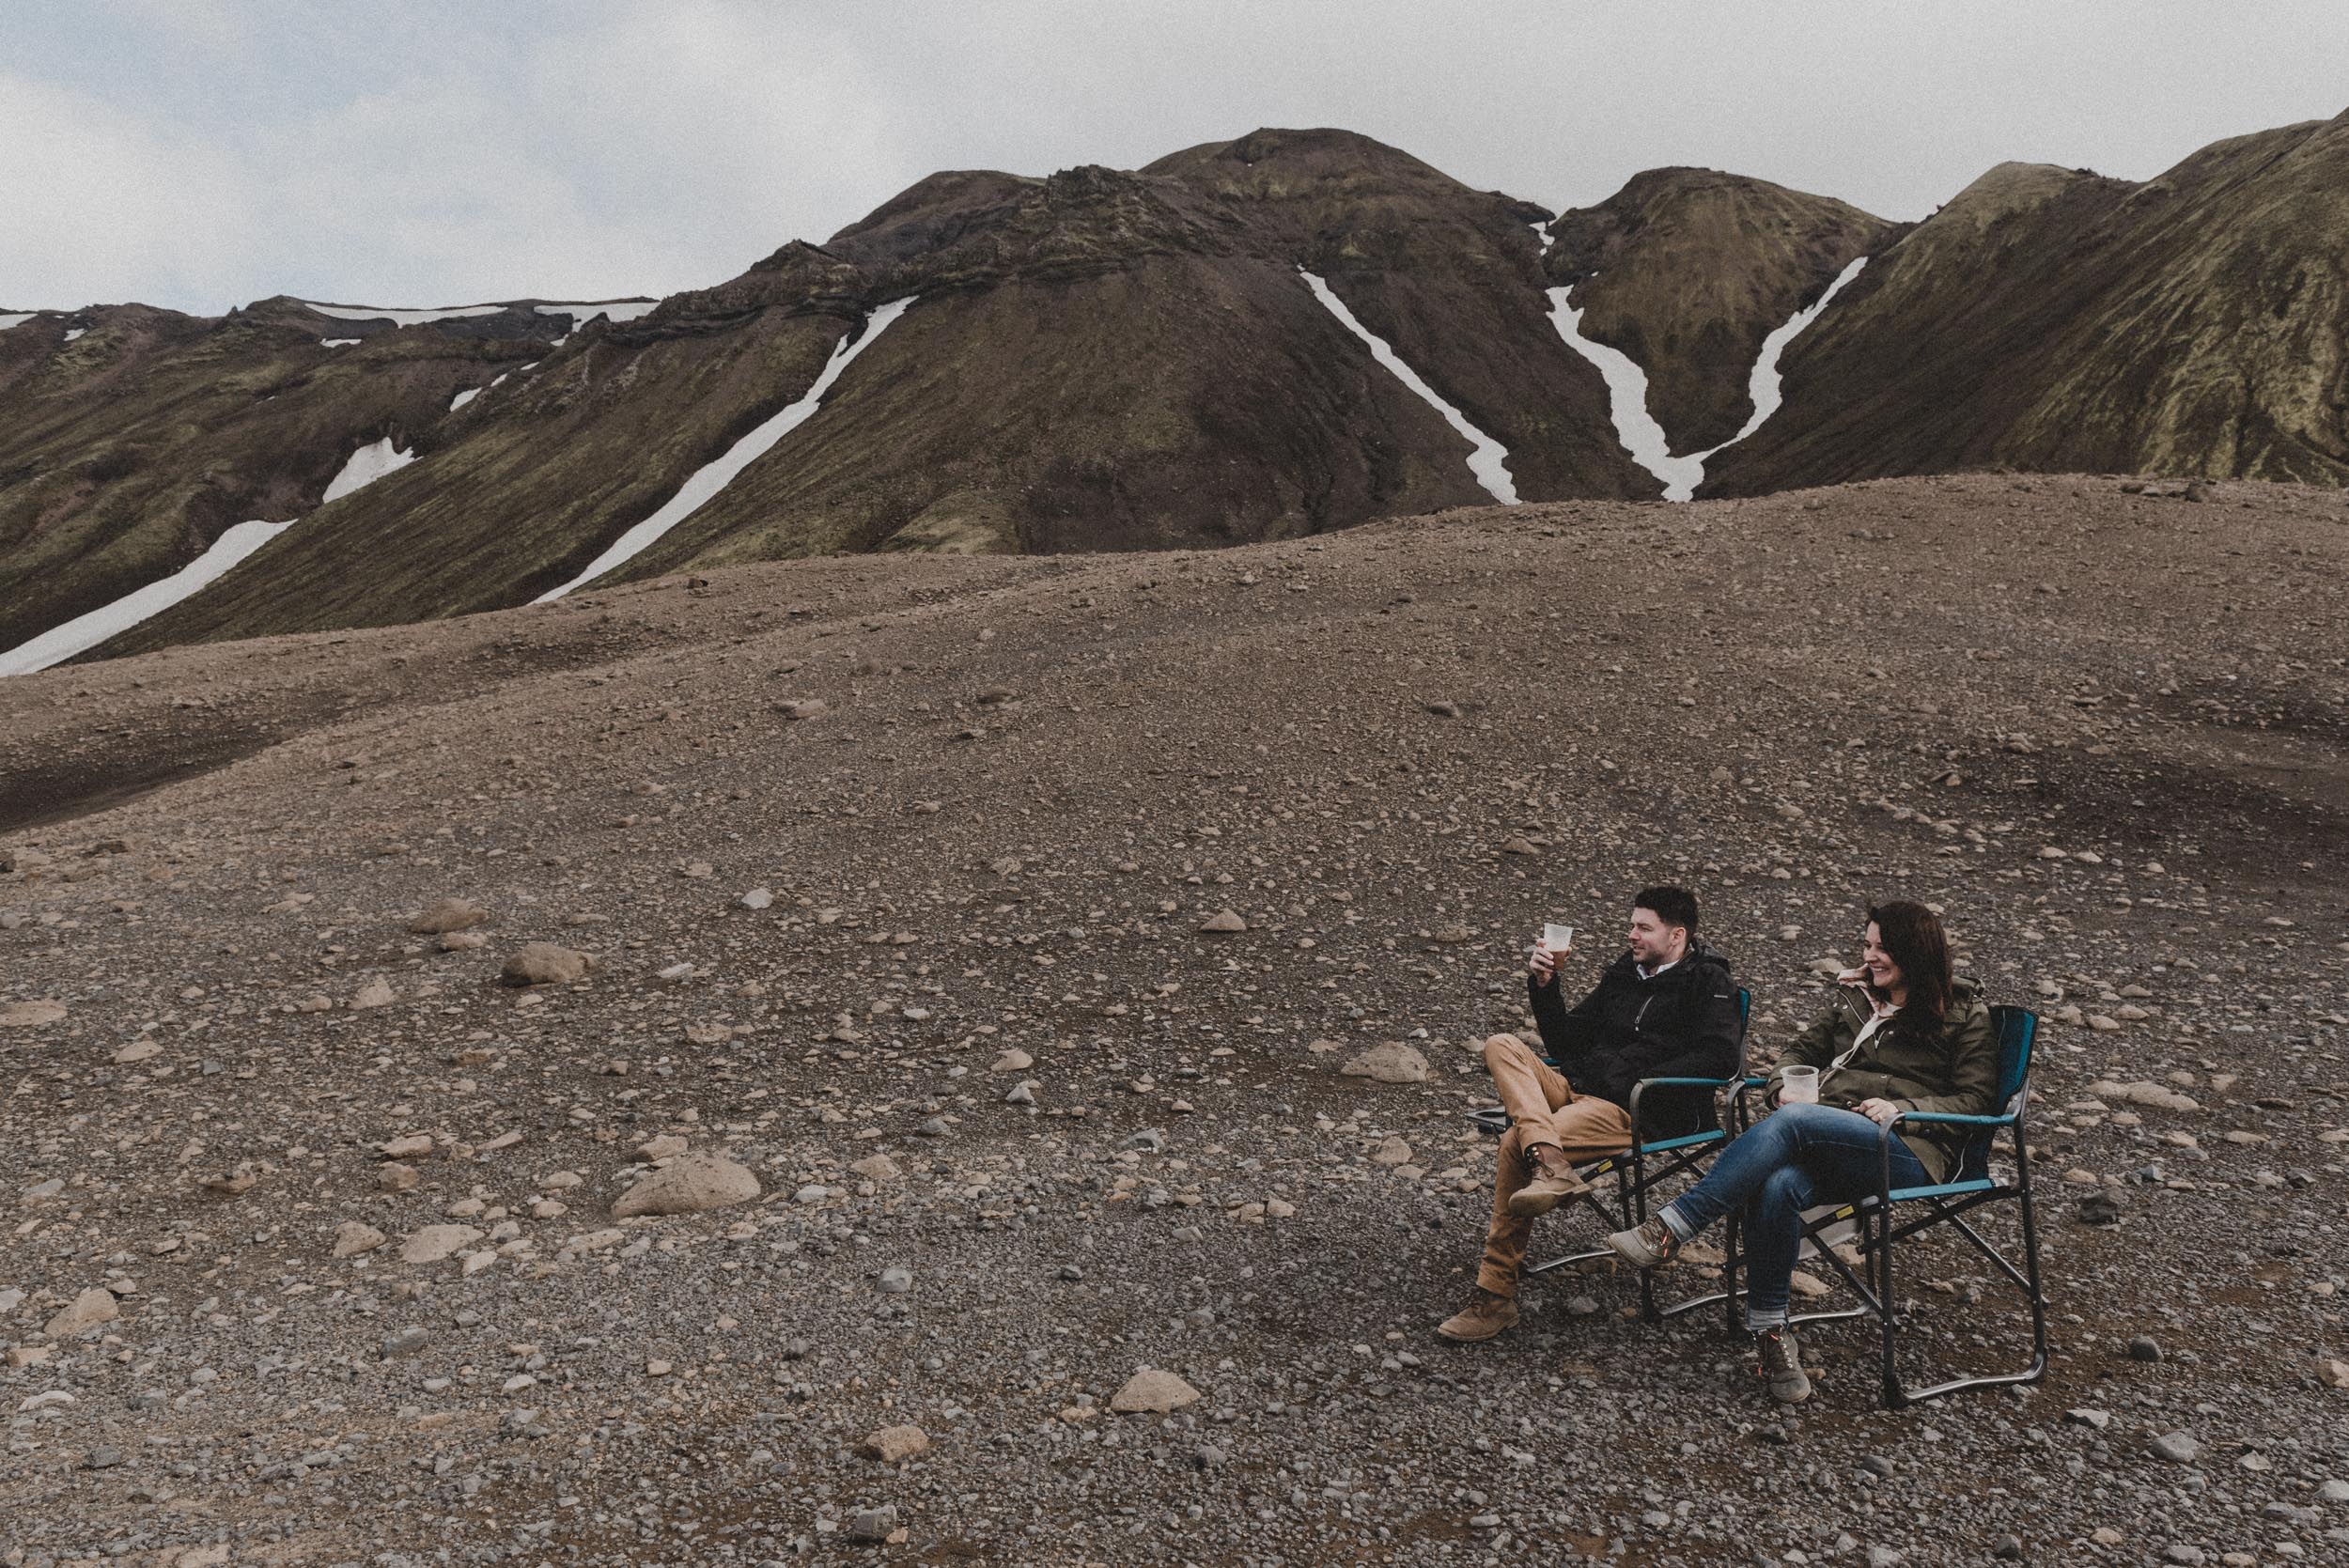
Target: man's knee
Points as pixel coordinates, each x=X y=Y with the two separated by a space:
x=1503 y=1048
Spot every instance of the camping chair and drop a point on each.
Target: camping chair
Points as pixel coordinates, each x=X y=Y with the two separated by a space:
x=1892 y=1214
x=1643 y=1168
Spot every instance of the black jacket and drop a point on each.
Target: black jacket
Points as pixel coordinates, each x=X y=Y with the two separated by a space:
x=1684 y=1023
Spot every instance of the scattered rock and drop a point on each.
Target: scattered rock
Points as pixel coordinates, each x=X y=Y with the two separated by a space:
x=450 y=914
x=352 y=1238
x=891 y=1444
x=2179 y=1447
x=30 y=1015
x=1388 y=1062
x=1151 y=1390
x=1222 y=922
x=545 y=964
x=689 y=1183
x=85 y=1311
x=435 y=1243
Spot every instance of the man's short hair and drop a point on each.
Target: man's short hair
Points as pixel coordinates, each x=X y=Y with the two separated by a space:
x=1671 y=905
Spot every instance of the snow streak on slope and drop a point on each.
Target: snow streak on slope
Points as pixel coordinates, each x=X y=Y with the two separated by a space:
x=85 y=632
x=1489 y=460
x=697 y=491
x=1626 y=391
x=401 y=317
x=73 y=332
x=617 y=310
x=17 y=319
x=1764 y=386
x=366 y=466
x=1626 y=383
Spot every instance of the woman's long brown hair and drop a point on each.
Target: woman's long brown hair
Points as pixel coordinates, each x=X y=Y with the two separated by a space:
x=1913 y=934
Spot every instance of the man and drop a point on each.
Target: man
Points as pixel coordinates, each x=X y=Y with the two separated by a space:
x=1665 y=1008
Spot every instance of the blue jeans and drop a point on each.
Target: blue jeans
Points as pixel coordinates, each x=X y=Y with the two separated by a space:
x=1797 y=1158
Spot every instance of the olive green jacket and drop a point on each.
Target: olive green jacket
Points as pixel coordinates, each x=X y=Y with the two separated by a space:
x=1954 y=1071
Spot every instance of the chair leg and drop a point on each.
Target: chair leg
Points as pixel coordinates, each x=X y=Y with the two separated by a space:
x=1731 y=1266
x=1887 y=1309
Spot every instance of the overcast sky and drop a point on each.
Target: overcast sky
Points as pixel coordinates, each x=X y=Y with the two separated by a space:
x=205 y=153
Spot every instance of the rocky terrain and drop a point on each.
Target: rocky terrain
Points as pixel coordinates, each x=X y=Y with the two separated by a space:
x=988 y=938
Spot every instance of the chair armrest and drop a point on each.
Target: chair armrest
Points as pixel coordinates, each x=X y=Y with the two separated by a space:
x=1954 y=1118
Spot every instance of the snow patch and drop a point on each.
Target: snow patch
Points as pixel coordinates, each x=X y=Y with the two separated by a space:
x=1626 y=390
x=1763 y=386
x=85 y=632
x=337 y=342
x=1626 y=387
x=706 y=482
x=366 y=466
x=617 y=310
x=72 y=332
x=463 y=397
x=401 y=317
x=1489 y=460
x=16 y=319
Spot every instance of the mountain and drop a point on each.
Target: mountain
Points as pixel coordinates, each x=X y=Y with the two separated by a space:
x=2057 y=319
x=1101 y=359
x=1688 y=271
x=1286 y=334
x=133 y=438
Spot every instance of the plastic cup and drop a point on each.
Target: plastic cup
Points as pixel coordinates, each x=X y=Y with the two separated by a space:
x=1557 y=938
x=1800 y=1087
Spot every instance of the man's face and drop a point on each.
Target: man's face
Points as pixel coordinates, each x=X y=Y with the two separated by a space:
x=1653 y=941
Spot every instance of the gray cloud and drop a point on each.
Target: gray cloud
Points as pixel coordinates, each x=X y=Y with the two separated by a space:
x=202 y=153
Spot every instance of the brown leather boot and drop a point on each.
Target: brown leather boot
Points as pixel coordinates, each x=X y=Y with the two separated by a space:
x=1481 y=1319
x=1555 y=1182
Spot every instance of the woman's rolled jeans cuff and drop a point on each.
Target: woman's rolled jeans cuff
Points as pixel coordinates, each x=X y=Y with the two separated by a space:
x=1795 y=1158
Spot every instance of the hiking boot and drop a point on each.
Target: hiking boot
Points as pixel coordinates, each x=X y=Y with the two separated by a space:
x=1481 y=1319
x=1782 y=1363
x=1651 y=1245
x=1553 y=1186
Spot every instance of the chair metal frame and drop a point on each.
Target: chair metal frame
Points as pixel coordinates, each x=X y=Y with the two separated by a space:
x=1640 y=1169
x=1943 y=1203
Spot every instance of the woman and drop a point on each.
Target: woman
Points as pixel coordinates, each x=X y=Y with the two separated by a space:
x=1900 y=1033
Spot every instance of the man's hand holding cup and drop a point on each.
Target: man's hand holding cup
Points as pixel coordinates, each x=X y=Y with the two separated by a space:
x=1555 y=944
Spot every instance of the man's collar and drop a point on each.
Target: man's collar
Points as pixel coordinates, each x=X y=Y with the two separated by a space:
x=1646 y=973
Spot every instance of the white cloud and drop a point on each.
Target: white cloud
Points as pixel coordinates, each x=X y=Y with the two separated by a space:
x=442 y=152
x=102 y=206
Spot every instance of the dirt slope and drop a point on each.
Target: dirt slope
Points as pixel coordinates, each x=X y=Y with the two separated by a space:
x=951 y=917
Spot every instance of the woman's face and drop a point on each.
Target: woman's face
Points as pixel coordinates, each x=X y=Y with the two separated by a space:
x=1884 y=974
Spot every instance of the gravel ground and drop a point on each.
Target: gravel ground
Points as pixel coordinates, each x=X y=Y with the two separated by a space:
x=890 y=875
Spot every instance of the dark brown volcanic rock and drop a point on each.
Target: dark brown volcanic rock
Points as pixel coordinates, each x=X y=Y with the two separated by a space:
x=1694 y=269
x=2052 y=318
x=128 y=450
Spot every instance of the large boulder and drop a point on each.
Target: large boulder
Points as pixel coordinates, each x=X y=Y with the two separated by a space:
x=450 y=914
x=1388 y=1062
x=545 y=964
x=1152 y=1390
x=436 y=1242
x=689 y=1183
x=85 y=1311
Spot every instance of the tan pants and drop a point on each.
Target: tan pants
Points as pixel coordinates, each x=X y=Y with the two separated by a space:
x=1546 y=1109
